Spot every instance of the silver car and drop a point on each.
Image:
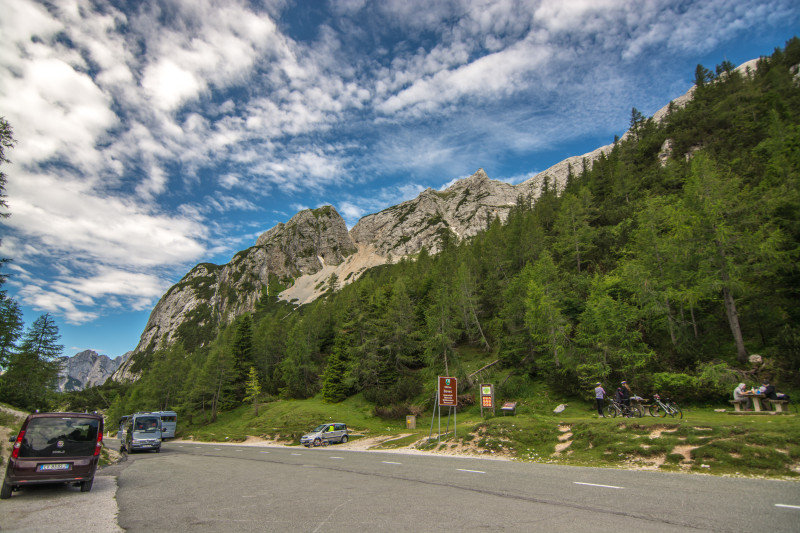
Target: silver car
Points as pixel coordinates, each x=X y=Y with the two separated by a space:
x=325 y=434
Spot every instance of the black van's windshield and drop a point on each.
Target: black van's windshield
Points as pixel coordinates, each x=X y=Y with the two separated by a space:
x=59 y=437
x=148 y=424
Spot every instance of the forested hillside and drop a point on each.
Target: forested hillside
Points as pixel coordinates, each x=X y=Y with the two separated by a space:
x=667 y=263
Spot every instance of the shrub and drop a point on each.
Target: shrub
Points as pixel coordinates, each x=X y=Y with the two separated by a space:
x=676 y=385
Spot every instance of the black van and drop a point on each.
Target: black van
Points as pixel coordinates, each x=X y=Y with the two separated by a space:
x=55 y=448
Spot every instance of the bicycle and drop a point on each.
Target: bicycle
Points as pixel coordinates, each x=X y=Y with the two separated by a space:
x=664 y=408
x=614 y=409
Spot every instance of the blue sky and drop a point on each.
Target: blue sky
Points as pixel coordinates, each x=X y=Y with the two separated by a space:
x=154 y=135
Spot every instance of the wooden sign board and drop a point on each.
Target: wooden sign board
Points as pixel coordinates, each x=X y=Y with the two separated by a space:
x=448 y=391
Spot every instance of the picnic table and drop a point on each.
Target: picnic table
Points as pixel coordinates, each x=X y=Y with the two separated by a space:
x=756 y=397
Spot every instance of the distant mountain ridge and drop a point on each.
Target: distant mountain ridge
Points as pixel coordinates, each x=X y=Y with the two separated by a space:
x=86 y=369
x=296 y=261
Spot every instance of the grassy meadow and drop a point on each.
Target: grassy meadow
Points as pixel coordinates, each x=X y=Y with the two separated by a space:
x=703 y=441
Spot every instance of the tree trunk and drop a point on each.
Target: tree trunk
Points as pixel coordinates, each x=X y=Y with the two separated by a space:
x=733 y=321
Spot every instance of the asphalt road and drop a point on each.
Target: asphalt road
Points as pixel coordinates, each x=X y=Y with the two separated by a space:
x=206 y=487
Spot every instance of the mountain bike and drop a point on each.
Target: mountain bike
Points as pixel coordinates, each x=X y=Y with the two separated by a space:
x=614 y=409
x=665 y=407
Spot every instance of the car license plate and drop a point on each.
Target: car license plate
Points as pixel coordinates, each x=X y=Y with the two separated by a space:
x=54 y=466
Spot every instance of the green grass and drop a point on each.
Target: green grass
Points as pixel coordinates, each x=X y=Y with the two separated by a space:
x=703 y=441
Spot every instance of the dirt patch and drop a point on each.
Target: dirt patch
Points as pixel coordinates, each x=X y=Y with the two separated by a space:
x=686 y=451
x=561 y=446
x=658 y=430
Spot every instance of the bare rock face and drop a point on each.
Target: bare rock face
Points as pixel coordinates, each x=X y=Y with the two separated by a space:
x=465 y=208
x=210 y=295
x=85 y=369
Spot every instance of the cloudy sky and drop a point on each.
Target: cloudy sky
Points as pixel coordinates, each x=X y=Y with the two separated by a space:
x=154 y=135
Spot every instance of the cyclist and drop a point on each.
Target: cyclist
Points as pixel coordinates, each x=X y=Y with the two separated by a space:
x=599 y=397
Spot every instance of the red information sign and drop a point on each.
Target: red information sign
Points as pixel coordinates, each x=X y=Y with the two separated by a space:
x=448 y=391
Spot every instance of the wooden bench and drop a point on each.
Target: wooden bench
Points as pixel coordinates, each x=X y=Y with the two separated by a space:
x=739 y=405
x=509 y=407
x=780 y=406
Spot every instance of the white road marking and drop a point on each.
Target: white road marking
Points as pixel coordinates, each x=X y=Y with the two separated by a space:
x=596 y=485
x=787 y=506
x=337 y=457
x=391 y=463
x=473 y=471
x=263 y=452
x=297 y=454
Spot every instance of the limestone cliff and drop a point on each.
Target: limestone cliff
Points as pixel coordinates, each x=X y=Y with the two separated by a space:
x=85 y=369
x=210 y=295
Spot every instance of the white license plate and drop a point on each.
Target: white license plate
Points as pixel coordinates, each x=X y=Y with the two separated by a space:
x=54 y=466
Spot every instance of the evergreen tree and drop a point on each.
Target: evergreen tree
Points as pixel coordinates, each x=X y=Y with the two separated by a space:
x=33 y=370
x=253 y=389
x=11 y=326
x=574 y=231
x=6 y=141
x=242 y=351
x=549 y=328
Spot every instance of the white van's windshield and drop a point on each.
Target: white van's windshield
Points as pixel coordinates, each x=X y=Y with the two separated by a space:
x=148 y=424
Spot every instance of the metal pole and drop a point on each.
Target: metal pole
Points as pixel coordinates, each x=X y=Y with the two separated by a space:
x=440 y=422
x=433 y=414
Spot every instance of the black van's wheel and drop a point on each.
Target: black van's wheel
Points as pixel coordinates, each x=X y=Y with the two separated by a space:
x=5 y=493
x=86 y=486
x=344 y=439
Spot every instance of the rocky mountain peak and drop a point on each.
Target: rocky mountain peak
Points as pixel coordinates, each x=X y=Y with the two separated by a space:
x=85 y=369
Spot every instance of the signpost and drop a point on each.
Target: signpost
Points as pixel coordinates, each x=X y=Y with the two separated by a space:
x=487 y=397
x=446 y=395
x=448 y=391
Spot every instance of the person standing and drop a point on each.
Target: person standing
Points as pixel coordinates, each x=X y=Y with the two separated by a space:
x=599 y=397
x=626 y=393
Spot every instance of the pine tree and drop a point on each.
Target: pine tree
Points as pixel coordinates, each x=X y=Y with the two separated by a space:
x=33 y=370
x=252 y=389
x=11 y=325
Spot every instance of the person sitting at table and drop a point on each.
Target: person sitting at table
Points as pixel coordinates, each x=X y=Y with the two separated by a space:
x=739 y=396
x=768 y=390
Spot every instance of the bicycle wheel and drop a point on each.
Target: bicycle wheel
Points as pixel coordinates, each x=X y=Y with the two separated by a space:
x=654 y=410
x=676 y=411
x=636 y=411
x=611 y=411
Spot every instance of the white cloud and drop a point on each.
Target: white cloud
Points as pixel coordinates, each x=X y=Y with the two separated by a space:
x=65 y=216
